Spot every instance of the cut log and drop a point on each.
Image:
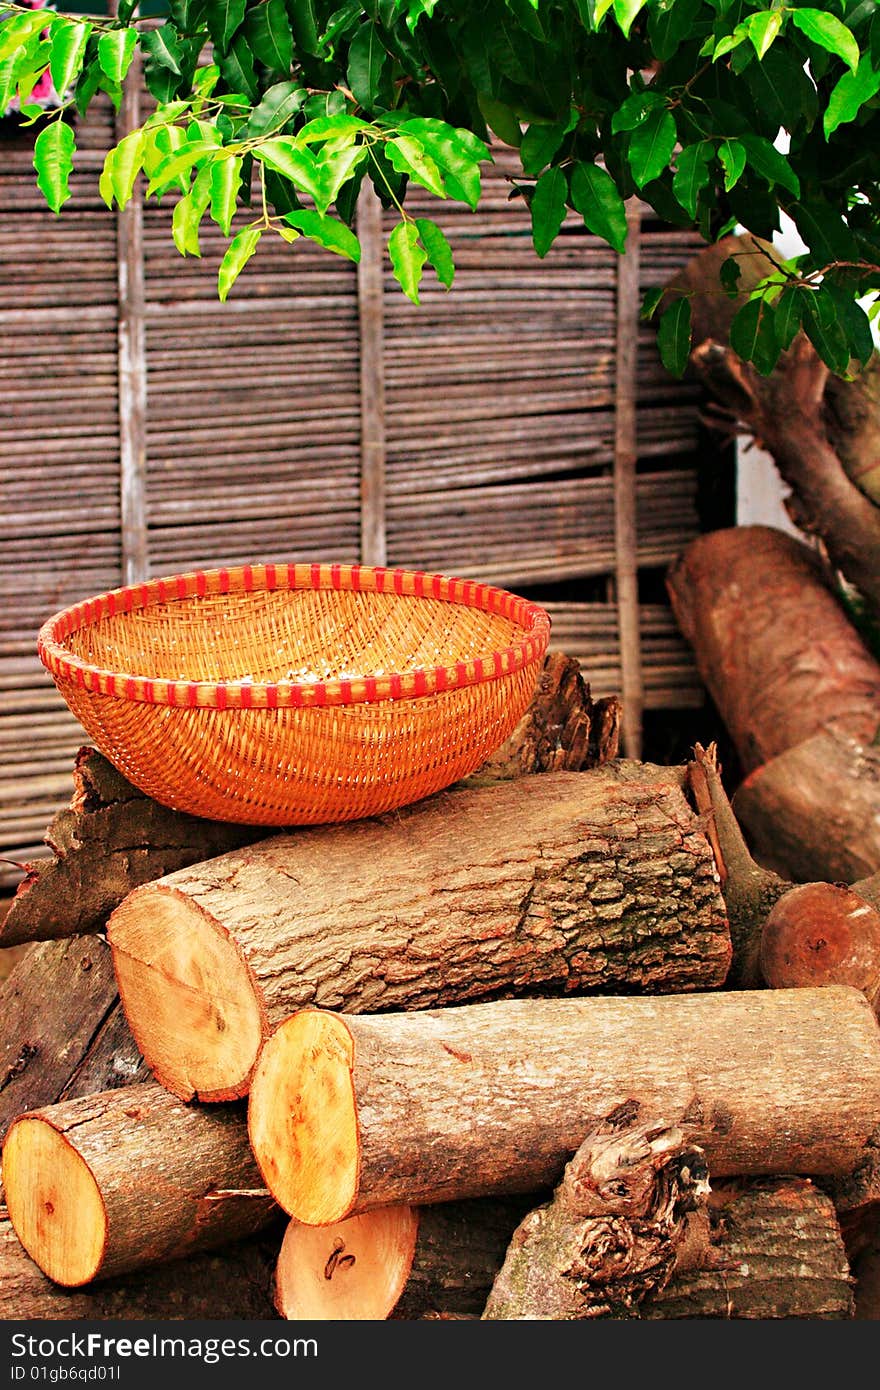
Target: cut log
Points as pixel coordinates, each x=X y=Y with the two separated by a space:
x=812 y=812
x=347 y=1113
x=601 y=880
x=352 y=1270
x=110 y=839
x=111 y=1182
x=233 y=1282
x=820 y=933
x=613 y=1231
x=772 y=643
x=61 y=1028
x=777 y=1252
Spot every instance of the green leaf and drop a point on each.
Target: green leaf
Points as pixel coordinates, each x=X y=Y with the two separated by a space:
x=595 y=196
x=433 y=238
x=176 y=167
x=767 y=161
x=456 y=152
x=635 y=109
x=188 y=213
x=853 y=321
x=278 y=106
x=367 y=57
x=238 y=253
x=115 y=52
x=53 y=160
x=547 y=207
x=237 y=70
x=18 y=30
x=328 y=232
x=408 y=257
x=824 y=231
x=286 y=157
x=122 y=165
x=305 y=25
x=850 y=95
x=753 y=334
x=69 y=39
x=821 y=323
x=500 y=118
x=730 y=275
x=407 y=156
x=539 y=145
x=224 y=19
x=335 y=169
x=163 y=47
x=789 y=313
x=824 y=29
x=732 y=156
x=268 y=31
x=188 y=15
x=625 y=12
x=650 y=147
x=225 y=183
x=674 y=336
x=669 y=23
x=692 y=174
x=331 y=128
x=650 y=300
x=763 y=28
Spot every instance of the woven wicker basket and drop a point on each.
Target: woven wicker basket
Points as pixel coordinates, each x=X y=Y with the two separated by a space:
x=295 y=694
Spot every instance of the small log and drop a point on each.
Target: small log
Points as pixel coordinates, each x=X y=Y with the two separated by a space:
x=107 y=841
x=234 y=1281
x=352 y=1270
x=599 y=880
x=811 y=812
x=776 y=1252
x=108 y=1183
x=347 y=1113
x=772 y=643
x=820 y=933
x=62 y=1032
x=613 y=1231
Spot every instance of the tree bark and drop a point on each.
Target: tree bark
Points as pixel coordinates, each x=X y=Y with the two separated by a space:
x=613 y=1230
x=234 y=1281
x=110 y=839
x=777 y=1252
x=772 y=643
x=347 y=1113
x=62 y=1032
x=566 y=882
x=811 y=812
x=111 y=1182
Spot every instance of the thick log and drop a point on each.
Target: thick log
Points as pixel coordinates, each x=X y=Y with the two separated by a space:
x=234 y=1281
x=613 y=1231
x=811 y=812
x=350 y=1112
x=352 y=1270
x=772 y=642
x=591 y=881
x=776 y=1252
x=108 y=1183
x=110 y=839
x=61 y=1027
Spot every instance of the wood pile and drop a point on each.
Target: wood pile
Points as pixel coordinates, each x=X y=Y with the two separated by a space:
x=505 y=1054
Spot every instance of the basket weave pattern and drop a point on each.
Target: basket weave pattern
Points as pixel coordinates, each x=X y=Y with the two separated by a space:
x=295 y=694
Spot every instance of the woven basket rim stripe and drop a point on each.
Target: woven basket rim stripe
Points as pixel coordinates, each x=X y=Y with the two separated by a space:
x=237 y=694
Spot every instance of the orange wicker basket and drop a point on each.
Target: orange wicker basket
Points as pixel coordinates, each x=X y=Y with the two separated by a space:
x=295 y=694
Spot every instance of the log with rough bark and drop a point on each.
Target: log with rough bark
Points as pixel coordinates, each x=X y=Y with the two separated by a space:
x=107 y=841
x=776 y=1252
x=62 y=1032
x=613 y=1230
x=811 y=812
x=772 y=642
x=234 y=1281
x=351 y=1112
x=571 y=881
x=111 y=1182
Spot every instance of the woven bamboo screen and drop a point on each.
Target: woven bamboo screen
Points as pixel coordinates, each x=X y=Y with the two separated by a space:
x=518 y=429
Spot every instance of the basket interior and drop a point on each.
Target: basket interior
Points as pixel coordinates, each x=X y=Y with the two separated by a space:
x=300 y=635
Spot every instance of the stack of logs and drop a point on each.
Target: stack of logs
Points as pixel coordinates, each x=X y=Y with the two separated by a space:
x=507 y=1053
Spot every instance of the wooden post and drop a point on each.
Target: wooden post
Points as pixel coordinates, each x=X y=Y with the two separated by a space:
x=372 y=380
x=132 y=351
x=625 y=540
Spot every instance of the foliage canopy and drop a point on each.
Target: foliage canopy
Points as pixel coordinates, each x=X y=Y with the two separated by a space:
x=714 y=112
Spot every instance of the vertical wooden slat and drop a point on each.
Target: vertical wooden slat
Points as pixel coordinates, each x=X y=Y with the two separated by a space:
x=132 y=358
x=372 y=378
x=626 y=544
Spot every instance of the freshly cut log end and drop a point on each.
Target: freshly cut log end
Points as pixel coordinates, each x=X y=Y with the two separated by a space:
x=353 y=1270
x=54 y=1203
x=821 y=934
x=188 y=995
x=302 y=1118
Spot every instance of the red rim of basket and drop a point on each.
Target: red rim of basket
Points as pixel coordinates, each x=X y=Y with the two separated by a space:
x=238 y=694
